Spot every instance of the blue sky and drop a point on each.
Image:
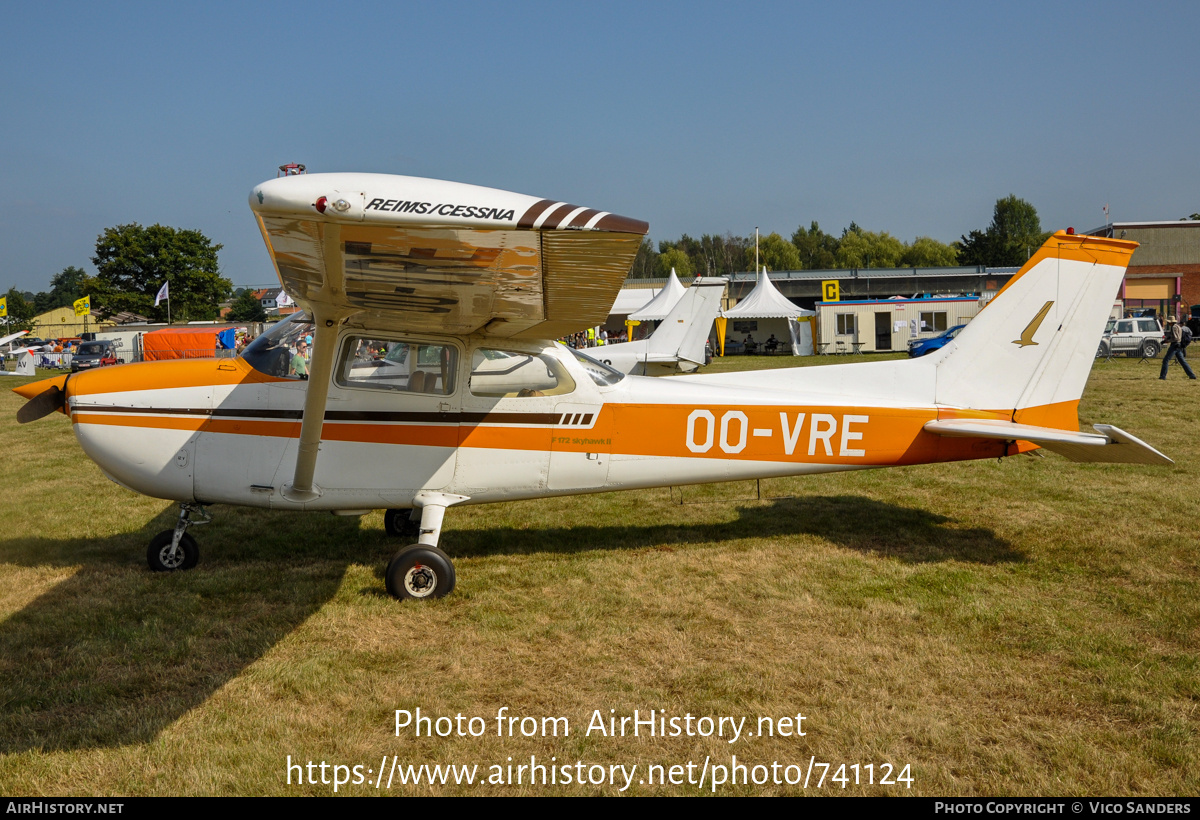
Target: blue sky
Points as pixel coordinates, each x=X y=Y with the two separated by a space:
x=911 y=118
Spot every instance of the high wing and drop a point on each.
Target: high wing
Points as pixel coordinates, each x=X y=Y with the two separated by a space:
x=405 y=253
x=1112 y=446
x=16 y=335
x=421 y=254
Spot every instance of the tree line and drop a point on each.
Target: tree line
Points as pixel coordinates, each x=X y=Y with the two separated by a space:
x=1014 y=234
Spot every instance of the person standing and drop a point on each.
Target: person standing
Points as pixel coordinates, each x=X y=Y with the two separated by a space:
x=299 y=365
x=1174 y=336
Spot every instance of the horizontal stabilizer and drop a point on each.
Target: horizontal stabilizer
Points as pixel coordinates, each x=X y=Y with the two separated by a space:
x=1109 y=444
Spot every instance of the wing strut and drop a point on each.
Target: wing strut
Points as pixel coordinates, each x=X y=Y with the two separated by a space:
x=320 y=371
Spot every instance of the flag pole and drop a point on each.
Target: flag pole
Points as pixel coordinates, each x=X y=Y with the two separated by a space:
x=168 y=302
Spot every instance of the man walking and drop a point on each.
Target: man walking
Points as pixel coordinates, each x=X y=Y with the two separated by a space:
x=1174 y=335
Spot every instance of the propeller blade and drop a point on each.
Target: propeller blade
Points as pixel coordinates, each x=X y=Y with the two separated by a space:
x=42 y=404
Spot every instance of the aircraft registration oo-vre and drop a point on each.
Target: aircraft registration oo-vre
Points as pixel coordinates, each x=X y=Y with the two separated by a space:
x=432 y=383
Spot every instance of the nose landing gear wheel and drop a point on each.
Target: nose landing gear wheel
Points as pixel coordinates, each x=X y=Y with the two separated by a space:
x=161 y=558
x=419 y=572
x=399 y=524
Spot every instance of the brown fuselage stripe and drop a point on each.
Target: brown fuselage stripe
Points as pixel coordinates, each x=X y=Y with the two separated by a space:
x=371 y=416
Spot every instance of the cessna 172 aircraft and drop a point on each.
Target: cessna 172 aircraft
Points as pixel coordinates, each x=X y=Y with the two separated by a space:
x=431 y=383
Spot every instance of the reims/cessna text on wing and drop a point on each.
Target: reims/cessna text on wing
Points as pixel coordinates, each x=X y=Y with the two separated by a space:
x=431 y=383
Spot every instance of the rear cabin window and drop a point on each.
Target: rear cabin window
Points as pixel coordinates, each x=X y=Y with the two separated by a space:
x=404 y=366
x=512 y=374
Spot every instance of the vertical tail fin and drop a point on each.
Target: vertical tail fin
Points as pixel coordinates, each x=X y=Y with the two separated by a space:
x=685 y=329
x=1031 y=349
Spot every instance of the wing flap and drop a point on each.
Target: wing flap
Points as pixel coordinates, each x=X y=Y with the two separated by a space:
x=1109 y=445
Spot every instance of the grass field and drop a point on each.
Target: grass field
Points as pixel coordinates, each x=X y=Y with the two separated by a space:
x=1022 y=627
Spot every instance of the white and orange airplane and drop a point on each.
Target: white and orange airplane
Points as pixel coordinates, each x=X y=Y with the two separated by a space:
x=431 y=384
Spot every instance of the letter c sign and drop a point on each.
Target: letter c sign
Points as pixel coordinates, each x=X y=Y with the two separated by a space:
x=830 y=292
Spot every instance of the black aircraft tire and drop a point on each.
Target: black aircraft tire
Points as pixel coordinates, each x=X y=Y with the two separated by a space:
x=398 y=524
x=160 y=546
x=420 y=572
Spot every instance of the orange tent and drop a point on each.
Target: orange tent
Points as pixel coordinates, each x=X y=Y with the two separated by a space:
x=200 y=342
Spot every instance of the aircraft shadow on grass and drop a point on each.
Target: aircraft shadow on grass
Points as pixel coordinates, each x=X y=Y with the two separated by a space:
x=114 y=654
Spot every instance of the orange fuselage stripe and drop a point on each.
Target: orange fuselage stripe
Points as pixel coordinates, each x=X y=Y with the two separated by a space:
x=823 y=435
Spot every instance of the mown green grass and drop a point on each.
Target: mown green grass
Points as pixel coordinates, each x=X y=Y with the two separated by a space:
x=1024 y=627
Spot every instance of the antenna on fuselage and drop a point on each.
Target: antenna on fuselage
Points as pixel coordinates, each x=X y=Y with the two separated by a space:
x=291 y=169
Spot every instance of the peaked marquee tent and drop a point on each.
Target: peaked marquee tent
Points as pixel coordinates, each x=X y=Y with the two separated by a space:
x=767 y=303
x=657 y=308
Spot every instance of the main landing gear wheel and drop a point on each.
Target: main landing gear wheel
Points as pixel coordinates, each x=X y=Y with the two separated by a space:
x=419 y=571
x=398 y=524
x=162 y=558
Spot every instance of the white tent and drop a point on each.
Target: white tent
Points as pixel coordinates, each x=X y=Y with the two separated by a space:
x=766 y=302
x=630 y=300
x=657 y=308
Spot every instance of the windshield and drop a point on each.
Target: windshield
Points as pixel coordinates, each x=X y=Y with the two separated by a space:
x=283 y=351
x=601 y=374
x=92 y=348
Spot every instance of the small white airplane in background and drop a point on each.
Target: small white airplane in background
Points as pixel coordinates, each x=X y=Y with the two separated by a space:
x=25 y=365
x=12 y=337
x=677 y=345
x=431 y=382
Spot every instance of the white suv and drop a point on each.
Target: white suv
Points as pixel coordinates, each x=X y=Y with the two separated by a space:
x=1132 y=337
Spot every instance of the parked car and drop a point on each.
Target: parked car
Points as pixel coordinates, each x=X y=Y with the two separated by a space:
x=94 y=354
x=923 y=347
x=1132 y=337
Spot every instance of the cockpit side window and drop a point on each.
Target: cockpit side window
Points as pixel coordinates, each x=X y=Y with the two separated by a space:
x=515 y=374
x=406 y=366
x=283 y=351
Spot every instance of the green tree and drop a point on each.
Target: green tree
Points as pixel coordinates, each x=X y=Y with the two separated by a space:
x=867 y=249
x=818 y=250
x=247 y=308
x=925 y=252
x=672 y=257
x=645 y=264
x=775 y=252
x=65 y=287
x=1014 y=235
x=133 y=262
x=20 y=312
